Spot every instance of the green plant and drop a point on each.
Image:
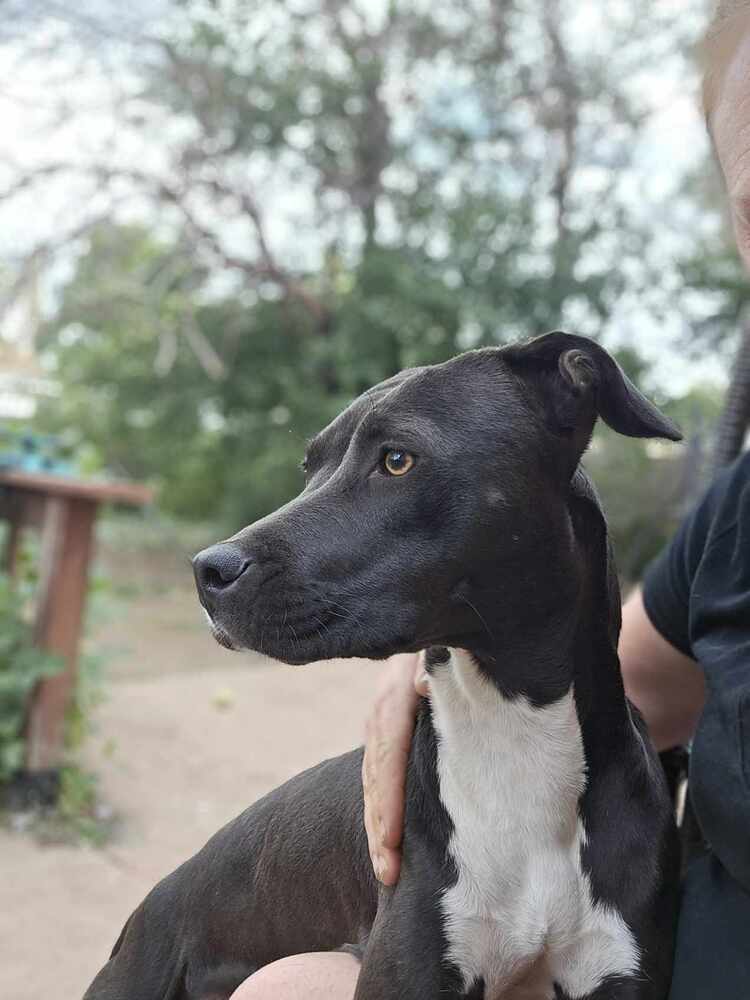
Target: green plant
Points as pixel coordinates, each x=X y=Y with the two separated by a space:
x=87 y=695
x=21 y=665
x=79 y=815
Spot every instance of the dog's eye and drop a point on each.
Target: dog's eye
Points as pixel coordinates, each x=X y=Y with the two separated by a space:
x=397 y=463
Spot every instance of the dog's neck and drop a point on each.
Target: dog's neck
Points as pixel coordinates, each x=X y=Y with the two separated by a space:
x=517 y=742
x=508 y=772
x=570 y=651
x=581 y=657
x=512 y=781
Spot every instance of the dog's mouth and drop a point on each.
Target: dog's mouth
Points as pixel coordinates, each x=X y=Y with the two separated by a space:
x=299 y=626
x=287 y=639
x=220 y=635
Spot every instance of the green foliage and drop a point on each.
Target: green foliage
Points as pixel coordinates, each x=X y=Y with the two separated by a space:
x=86 y=696
x=713 y=276
x=641 y=495
x=21 y=665
x=230 y=448
x=358 y=192
x=78 y=815
x=646 y=487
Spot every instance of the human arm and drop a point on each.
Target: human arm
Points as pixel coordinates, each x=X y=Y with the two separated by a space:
x=663 y=682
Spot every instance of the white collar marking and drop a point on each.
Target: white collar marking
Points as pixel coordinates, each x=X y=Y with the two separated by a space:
x=521 y=914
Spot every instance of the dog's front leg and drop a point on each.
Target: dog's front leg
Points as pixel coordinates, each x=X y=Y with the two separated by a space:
x=405 y=954
x=622 y=989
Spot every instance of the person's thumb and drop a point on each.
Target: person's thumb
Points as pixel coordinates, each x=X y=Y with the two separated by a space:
x=422 y=682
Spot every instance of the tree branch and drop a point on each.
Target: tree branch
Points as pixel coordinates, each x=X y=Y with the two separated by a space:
x=167 y=192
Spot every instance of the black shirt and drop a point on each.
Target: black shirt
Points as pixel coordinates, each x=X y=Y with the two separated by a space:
x=697 y=595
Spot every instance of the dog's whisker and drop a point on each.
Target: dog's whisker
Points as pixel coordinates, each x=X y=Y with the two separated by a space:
x=346 y=615
x=279 y=628
x=479 y=616
x=263 y=631
x=296 y=640
x=347 y=612
x=346 y=618
x=322 y=625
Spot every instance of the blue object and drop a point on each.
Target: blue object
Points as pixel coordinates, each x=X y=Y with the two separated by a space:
x=27 y=451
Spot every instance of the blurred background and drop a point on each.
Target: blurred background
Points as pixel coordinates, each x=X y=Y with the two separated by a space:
x=220 y=220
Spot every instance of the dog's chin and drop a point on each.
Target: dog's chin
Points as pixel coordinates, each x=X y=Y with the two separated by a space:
x=295 y=652
x=220 y=634
x=302 y=652
x=223 y=638
x=298 y=650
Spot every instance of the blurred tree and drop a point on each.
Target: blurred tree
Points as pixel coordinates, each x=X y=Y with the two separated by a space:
x=492 y=137
x=339 y=190
x=229 y=448
x=647 y=487
x=134 y=383
x=717 y=274
x=486 y=135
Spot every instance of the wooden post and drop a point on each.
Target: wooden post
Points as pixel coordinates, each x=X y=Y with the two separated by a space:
x=65 y=510
x=67 y=534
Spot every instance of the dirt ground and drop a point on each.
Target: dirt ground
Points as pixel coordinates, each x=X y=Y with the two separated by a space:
x=187 y=736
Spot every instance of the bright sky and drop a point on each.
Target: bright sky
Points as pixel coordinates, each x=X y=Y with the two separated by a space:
x=672 y=142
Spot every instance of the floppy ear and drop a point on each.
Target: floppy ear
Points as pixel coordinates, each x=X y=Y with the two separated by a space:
x=579 y=381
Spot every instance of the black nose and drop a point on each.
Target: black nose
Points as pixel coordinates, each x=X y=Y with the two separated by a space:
x=219 y=567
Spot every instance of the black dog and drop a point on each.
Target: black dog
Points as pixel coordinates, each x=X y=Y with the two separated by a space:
x=444 y=511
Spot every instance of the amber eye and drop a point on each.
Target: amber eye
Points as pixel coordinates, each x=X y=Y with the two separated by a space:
x=397 y=463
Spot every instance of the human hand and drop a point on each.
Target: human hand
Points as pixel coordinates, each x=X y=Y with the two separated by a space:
x=388 y=736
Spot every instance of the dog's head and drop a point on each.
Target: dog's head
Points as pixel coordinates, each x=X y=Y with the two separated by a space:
x=435 y=511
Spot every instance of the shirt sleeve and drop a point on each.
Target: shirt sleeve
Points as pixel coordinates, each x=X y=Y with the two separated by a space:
x=668 y=579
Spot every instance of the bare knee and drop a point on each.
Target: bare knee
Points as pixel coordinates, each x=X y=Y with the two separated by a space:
x=314 y=976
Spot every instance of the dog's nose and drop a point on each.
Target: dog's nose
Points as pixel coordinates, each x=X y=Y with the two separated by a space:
x=219 y=567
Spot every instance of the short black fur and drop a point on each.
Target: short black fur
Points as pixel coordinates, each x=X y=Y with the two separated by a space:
x=495 y=543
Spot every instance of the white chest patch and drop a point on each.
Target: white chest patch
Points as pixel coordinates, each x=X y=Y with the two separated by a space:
x=521 y=914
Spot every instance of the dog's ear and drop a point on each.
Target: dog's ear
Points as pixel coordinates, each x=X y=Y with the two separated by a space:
x=579 y=381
